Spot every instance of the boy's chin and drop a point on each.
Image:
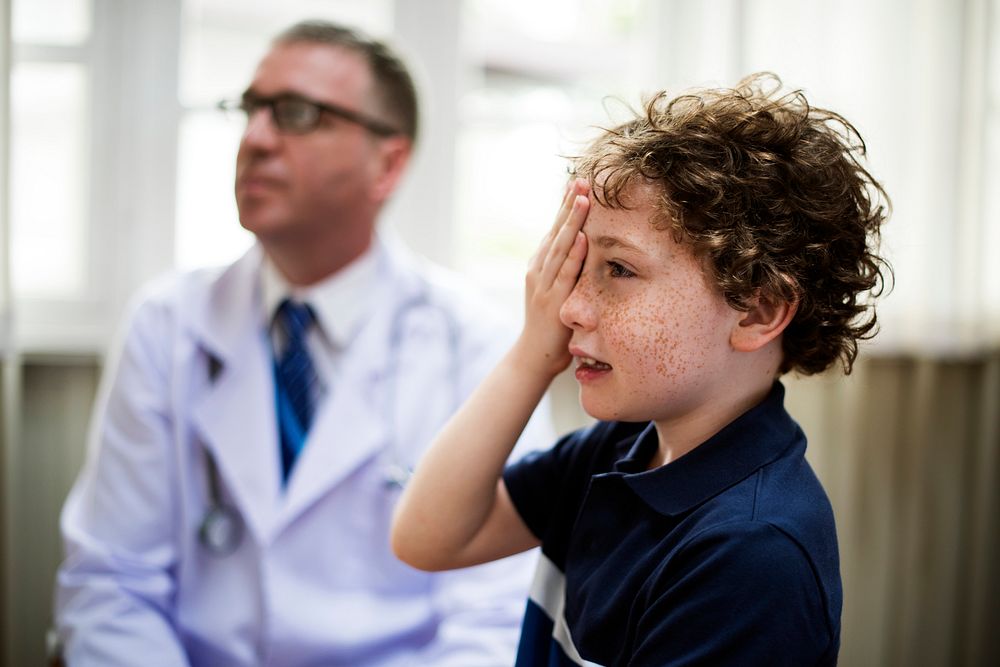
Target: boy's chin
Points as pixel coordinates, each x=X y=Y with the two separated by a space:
x=602 y=411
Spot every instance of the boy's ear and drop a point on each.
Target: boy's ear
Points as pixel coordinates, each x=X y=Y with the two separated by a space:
x=764 y=322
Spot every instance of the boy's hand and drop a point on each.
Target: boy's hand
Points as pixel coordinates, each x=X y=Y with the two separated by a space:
x=444 y=520
x=552 y=274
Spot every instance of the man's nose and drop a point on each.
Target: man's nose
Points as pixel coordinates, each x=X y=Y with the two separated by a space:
x=261 y=132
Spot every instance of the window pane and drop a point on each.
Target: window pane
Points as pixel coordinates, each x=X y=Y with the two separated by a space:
x=991 y=208
x=495 y=241
x=48 y=179
x=222 y=40
x=60 y=22
x=560 y=21
x=539 y=85
x=517 y=134
x=208 y=230
x=991 y=228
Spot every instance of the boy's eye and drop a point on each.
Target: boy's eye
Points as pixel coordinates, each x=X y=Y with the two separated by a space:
x=616 y=270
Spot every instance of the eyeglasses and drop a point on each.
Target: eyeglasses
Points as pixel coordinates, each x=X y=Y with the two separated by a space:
x=296 y=114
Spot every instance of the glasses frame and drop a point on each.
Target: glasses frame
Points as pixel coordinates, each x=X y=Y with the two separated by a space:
x=249 y=103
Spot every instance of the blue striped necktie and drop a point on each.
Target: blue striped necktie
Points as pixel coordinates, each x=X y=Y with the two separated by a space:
x=295 y=380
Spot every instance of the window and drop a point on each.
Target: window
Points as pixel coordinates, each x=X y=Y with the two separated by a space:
x=541 y=75
x=120 y=167
x=50 y=149
x=49 y=146
x=990 y=283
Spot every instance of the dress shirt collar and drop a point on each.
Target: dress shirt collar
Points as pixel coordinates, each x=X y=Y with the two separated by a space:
x=340 y=302
x=751 y=441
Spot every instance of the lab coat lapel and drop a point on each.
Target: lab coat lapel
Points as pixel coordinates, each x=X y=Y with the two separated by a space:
x=353 y=424
x=235 y=417
x=349 y=430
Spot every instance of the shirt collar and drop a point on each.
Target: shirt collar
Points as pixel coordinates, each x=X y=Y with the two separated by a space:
x=340 y=302
x=746 y=444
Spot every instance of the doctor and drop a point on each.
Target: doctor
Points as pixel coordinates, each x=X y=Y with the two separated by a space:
x=257 y=423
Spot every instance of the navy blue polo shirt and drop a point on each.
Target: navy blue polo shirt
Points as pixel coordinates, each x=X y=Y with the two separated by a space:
x=725 y=556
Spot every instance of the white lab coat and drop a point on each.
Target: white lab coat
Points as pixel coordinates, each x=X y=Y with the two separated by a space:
x=313 y=581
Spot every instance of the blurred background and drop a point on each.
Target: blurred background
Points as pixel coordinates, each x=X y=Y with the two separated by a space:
x=115 y=167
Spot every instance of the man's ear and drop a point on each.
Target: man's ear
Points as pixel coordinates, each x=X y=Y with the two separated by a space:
x=393 y=156
x=764 y=322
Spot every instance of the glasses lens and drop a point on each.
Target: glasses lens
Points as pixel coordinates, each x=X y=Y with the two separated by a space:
x=295 y=115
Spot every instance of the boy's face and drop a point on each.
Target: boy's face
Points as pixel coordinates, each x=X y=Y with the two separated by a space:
x=651 y=336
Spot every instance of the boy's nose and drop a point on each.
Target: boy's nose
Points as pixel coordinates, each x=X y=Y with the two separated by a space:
x=577 y=311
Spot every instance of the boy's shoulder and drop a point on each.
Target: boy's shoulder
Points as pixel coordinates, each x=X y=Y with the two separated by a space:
x=780 y=499
x=784 y=492
x=596 y=448
x=548 y=486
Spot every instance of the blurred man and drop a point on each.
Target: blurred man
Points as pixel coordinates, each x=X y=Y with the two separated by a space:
x=257 y=424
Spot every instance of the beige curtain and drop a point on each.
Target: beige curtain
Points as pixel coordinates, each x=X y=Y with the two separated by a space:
x=909 y=451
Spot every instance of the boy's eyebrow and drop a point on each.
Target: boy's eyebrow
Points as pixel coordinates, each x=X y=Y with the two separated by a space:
x=614 y=242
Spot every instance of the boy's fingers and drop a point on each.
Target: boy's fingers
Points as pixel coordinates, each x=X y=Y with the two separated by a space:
x=573 y=188
x=535 y=263
x=565 y=208
x=570 y=269
x=564 y=240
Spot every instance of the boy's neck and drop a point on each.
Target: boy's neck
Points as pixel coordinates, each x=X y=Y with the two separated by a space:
x=679 y=436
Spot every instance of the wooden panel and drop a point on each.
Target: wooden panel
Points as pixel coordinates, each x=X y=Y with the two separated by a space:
x=56 y=402
x=909 y=451
x=979 y=617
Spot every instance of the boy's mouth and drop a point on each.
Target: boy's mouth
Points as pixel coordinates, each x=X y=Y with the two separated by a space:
x=589 y=369
x=591 y=363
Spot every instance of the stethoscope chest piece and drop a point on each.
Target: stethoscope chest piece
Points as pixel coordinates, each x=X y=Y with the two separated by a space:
x=221 y=530
x=396 y=476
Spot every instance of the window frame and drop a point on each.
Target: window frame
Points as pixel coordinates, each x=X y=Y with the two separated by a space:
x=129 y=213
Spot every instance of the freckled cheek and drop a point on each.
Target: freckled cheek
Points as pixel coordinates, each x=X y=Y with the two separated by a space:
x=646 y=338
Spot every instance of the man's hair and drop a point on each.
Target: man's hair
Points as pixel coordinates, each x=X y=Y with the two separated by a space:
x=770 y=193
x=394 y=88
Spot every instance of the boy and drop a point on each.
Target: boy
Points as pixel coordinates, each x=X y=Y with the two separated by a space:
x=727 y=237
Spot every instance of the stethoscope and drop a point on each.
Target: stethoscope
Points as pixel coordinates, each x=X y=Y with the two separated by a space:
x=221 y=529
x=397 y=471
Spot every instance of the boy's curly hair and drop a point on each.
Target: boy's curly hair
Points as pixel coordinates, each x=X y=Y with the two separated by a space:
x=770 y=191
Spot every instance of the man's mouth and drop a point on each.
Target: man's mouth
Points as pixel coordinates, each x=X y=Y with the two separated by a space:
x=257 y=179
x=256 y=185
